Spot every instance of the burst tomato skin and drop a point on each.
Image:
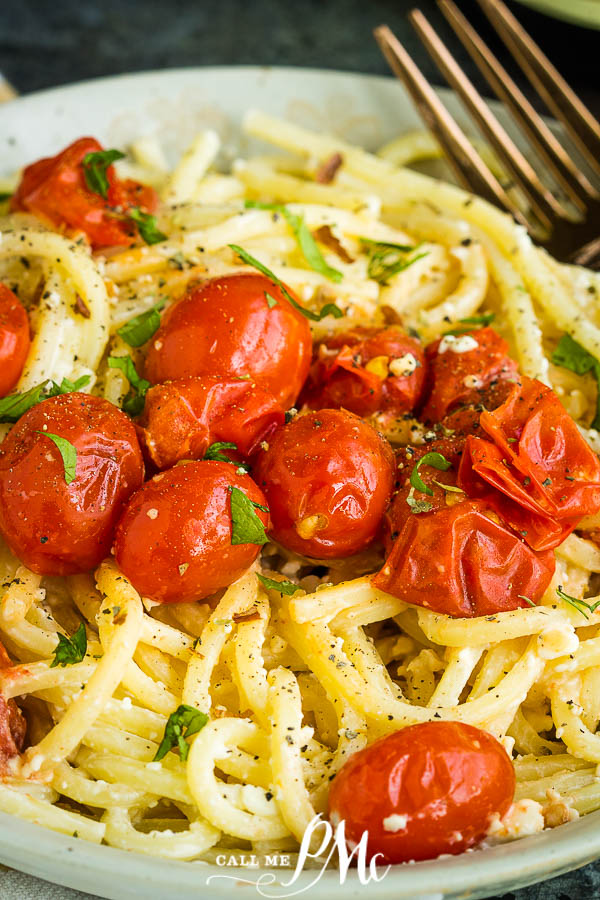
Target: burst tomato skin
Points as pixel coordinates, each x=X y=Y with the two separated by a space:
x=180 y=520
x=443 y=780
x=358 y=376
x=183 y=418
x=327 y=477
x=54 y=188
x=55 y=528
x=457 y=378
x=14 y=339
x=227 y=327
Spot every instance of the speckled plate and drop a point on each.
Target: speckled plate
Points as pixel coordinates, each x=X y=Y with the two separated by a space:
x=175 y=105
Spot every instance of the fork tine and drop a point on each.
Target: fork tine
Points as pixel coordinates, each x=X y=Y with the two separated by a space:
x=571 y=179
x=560 y=99
x=543 y=203
x=465 y=160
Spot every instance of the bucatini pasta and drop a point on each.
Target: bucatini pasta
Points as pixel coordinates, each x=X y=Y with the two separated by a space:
x=180 y=728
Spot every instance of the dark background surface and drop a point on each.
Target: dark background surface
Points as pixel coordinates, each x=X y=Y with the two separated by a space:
x=50 y=42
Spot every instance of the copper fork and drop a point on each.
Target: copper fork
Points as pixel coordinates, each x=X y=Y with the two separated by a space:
x=564 y=216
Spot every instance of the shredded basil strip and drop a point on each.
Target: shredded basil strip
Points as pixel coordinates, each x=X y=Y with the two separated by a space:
x=146 y=224
x=94 y=169
x=140 y=329
x=70 y=650
x=571 y=355
x=135 y=399
x=580 y=605
x=306 y=242
x=526 y=599
x=271 y=301
x=246 y=527
x=330 y=309
x=181 y=725
x=387 y=259
x=16 y=405
x=471 y=322
x=417 y=506
x=215 y=451
x=282 y=587
x=435 y=459
x=68 y=454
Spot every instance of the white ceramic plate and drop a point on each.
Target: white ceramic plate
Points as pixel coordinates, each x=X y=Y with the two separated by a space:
x=175 y=105
x=581 y=12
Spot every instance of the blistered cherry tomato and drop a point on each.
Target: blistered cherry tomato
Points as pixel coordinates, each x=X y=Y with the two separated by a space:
x=14 y=339
x=183 y=418
x=367 y=371
x=55 y=189
x=462 y=368
x=455 y=555
x=428 y=789
x=228 y=326
x=174 y=540
x=537 y=471
x=57 y=528
x=327 y=477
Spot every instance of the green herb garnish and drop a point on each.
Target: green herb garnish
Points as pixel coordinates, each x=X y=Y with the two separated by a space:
x=134 y=400
x=571 y=355
x=67 y=452
x=282 y=587
x=330 y=309
x=473 y=322
x=526 y=599
x=70 y=650
x=215 y=451
x=181 y=725
x=246 y=528
x=15 y=405
x=94 y=169
x=387 y=259
x=271 y=301
x=140 y=329
x=580 y=605
x=146 y=224
x=435 y=459
x=417 y=506
x=451 y=488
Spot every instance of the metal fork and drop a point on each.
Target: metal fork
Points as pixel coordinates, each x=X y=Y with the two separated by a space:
x=571 y=235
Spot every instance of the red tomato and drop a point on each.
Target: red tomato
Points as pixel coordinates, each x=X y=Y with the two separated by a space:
x=367 y=371
x=458 y=557
x=181 y=522
x=423 y=791
x=182 y=418
x=227 y=327
x=327 y=477
x=13 y=726
x=459 y=376
x=539 y=473
x=55 y=528
x=14 y=339
x=55 y=189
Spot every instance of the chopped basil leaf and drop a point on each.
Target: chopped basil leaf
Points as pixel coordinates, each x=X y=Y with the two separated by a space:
x=306 y=241
x=329 y=310
x=134 y=401
x=283 y=587
x=271 y=301
x=94 y=169
x=181 y=725
x=67 y=452
x=472 y=322
x=215 y=451
x=580 y=605
x=417 y=506
x=387 y=259
x=147 y=226
x=70 y=650
x=67 y=387
x=15 y=405
x=246 y=527
x=438 y=461
x=140 y=329
x=571 y=355
x=526 y=599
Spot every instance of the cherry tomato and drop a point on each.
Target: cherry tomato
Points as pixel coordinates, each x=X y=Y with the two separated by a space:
x=55 y=189
x=14 y=339
x=461 y=368
x=327 y=477
x=182 y=418
x=228 y=326
x=367 y=371
x=181 y=520
x=57 y=528
x=455 y=555
x=537 y=471
x=428 y=789
x=13 y=726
